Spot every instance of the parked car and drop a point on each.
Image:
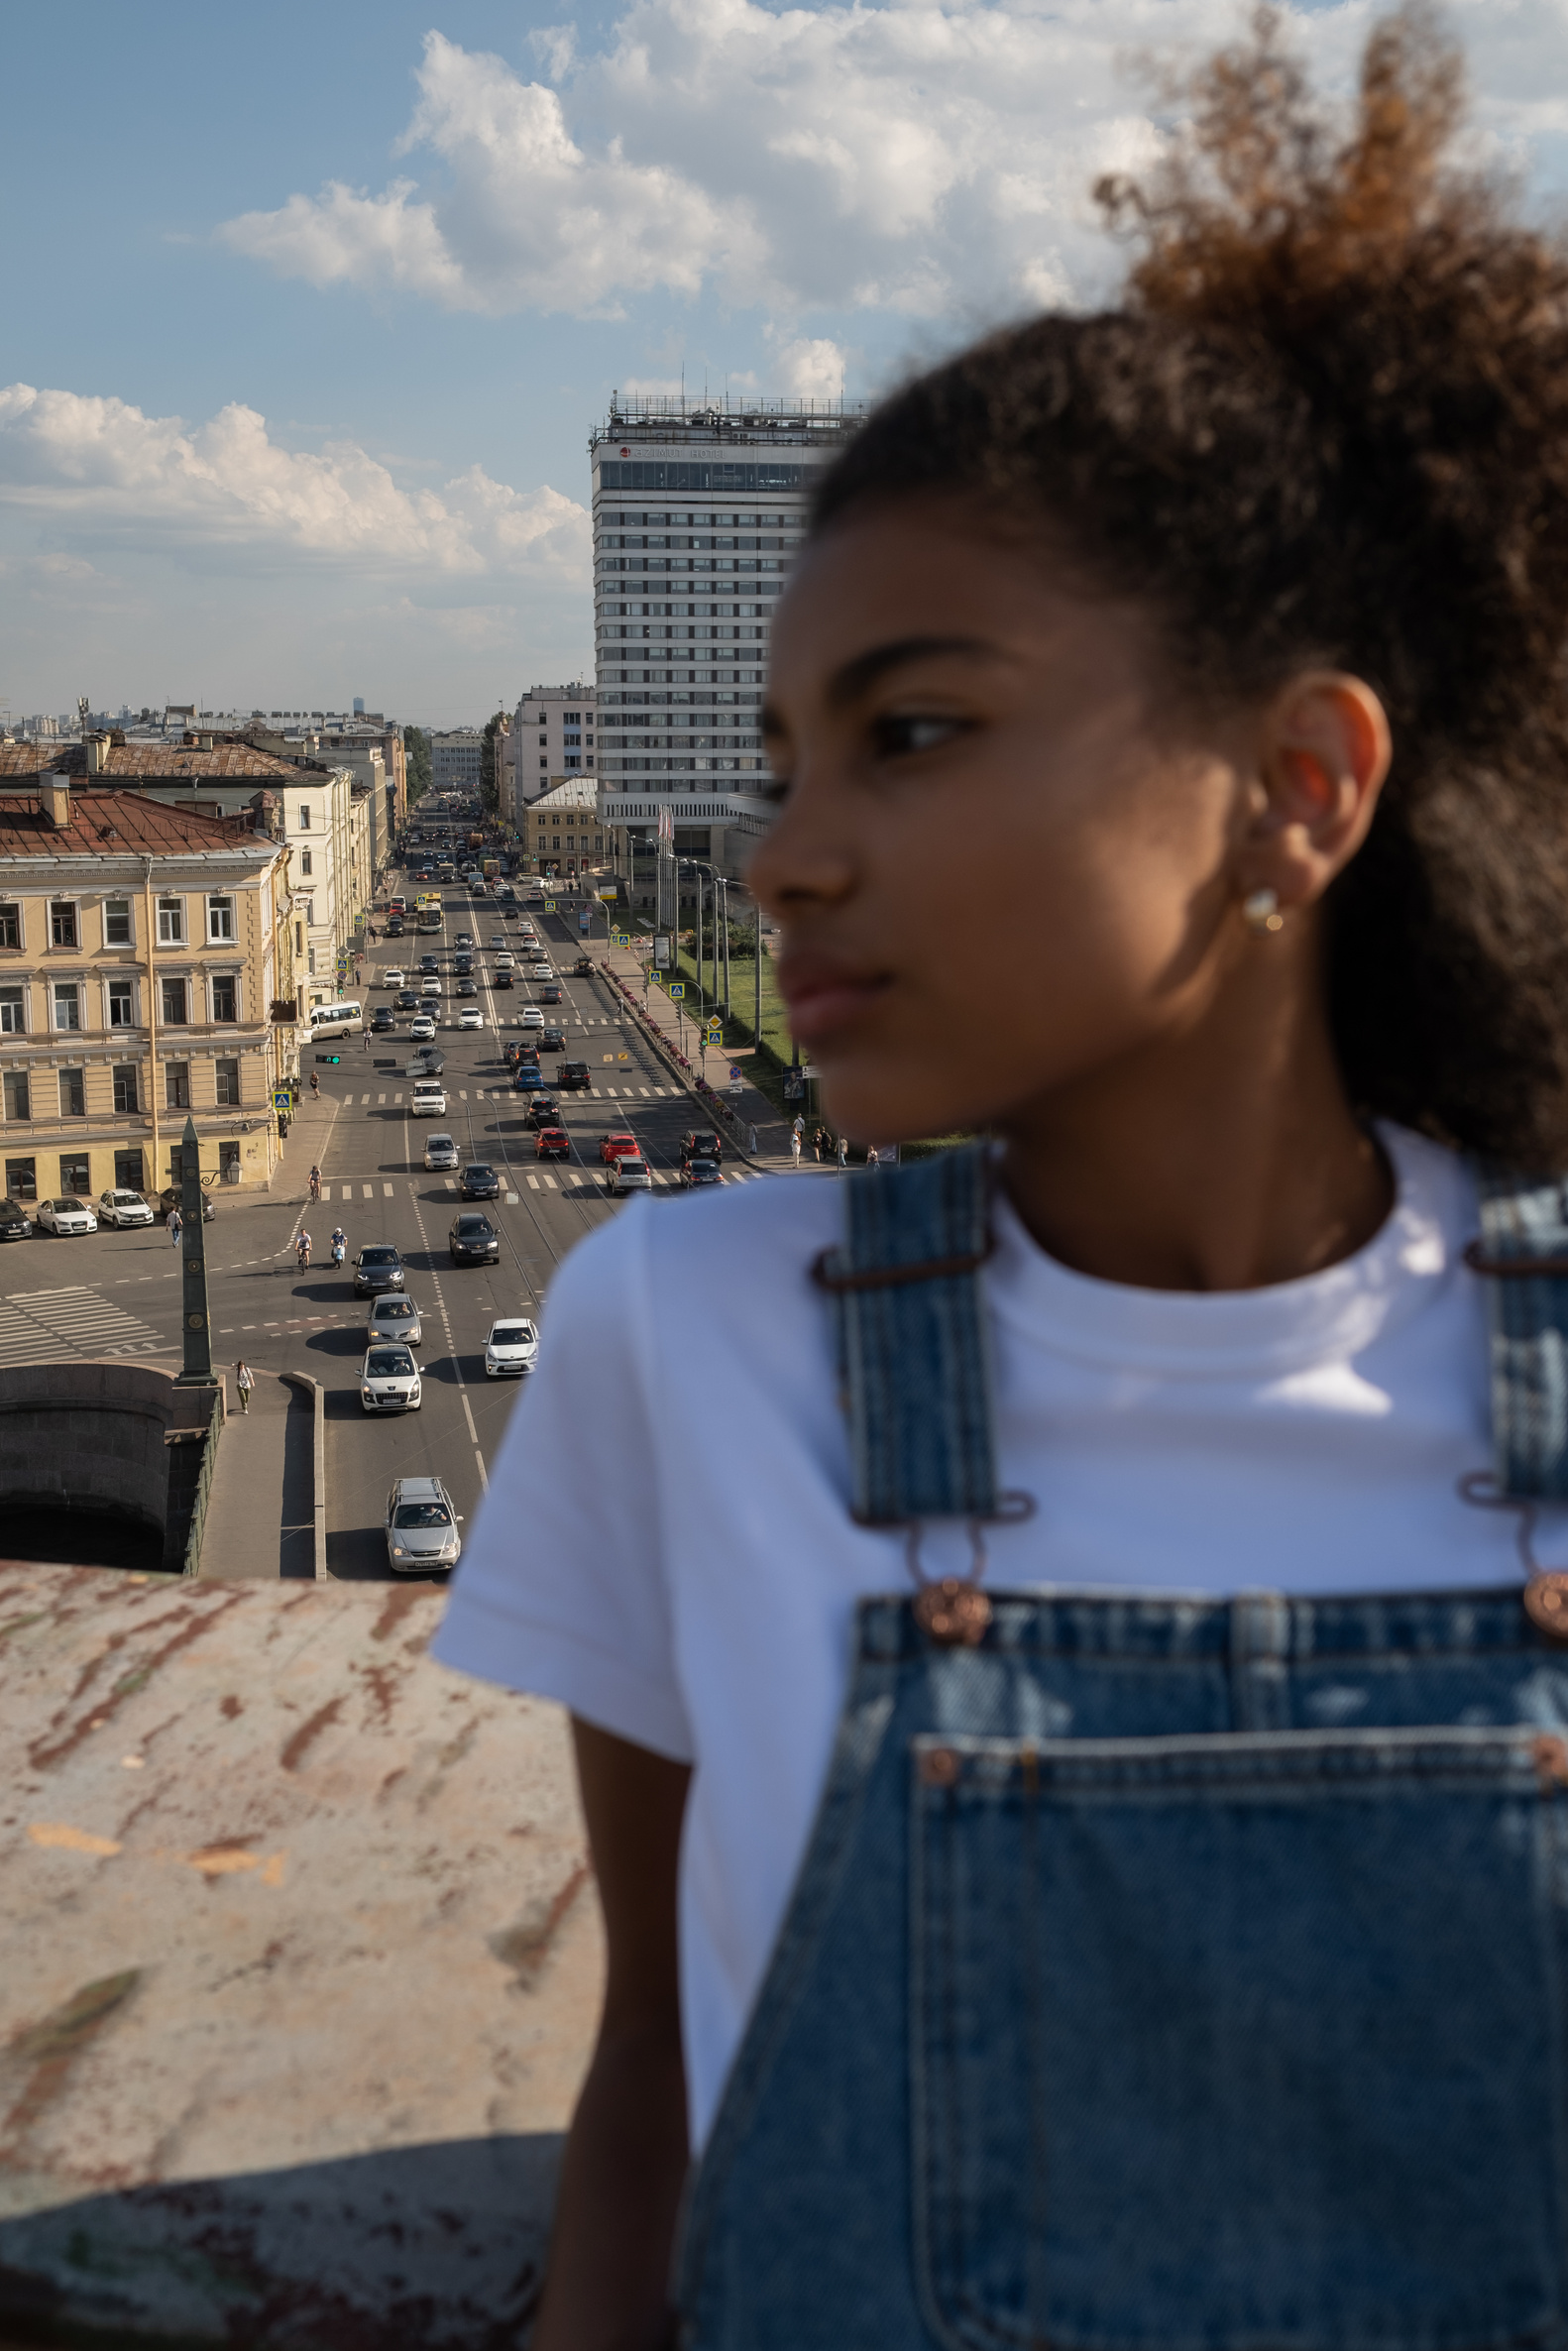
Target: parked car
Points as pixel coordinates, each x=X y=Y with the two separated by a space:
x=478 y=1181
x=473 y=1241
x=552 y=1143
x=389 y=1381
x=394 y=1316
x=573 y=1074
x=422 y=1028
x=531 y=1017
x=123 y=1208
x=628 y=1174
x=376 y=1268
x=429 y=1098
x=552 y=1039
x=696 y=1172
x=702 y=1142
x=440 y=1150
x=617 y=1143
x=512 y=1349
x=543 y=1111
x=422 y=1527
x=15 y=1222
x=174 y=1197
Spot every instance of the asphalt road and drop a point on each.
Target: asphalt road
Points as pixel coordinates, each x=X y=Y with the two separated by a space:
x=119 y=1293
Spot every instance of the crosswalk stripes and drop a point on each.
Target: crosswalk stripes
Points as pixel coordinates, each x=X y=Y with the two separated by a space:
x=387 y=1191
x=36 y=1323
x=369 y=1192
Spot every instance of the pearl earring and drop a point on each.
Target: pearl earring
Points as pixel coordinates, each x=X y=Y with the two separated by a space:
x=1260 y=910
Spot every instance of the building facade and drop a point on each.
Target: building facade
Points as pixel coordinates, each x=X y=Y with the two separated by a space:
x=455 y=760
x=552 y=737
x=697 y=518
x=146 y=977
x=561 y=832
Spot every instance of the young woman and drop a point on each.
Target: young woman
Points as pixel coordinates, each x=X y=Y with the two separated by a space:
x=1074 y=1763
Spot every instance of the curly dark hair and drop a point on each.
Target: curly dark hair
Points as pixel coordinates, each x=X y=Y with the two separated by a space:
x=1330 y=424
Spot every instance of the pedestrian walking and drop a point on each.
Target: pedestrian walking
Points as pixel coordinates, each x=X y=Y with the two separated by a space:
x=817 y=1140
x=175 y=1226
x=873 y=1157
x=843 y=1150
x=1090 y=1870
x=794 y=1144
x=243 y=1381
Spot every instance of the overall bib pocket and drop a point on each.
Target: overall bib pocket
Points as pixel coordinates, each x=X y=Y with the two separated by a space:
x=1238 y=2042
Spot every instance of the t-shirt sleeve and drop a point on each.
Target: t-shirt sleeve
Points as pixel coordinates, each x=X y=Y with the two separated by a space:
x=562 y=1589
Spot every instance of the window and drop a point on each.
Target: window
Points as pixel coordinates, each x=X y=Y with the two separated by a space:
x=307 y=861
x=127 y=1091
x=117 y=922
x=299 y=938
x=225 y=997
x=173 y=993
x=128 y=1173
x=20 y=1180
x=67 y=1004
x=75 y=1173
x=63 y=922
x=571 y=717
x=229 y=1161
x=313 y=964
x=229 y=1083
x=122 y=1004
x=220 y=919
x=171 y=922
x=305 y=815
x=10 y=926
x=176 y=1084
x=17 y=1102
x=13 y=1012
x=73 y=1093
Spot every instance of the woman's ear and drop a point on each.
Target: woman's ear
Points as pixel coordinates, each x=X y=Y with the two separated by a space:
x=1322 y=755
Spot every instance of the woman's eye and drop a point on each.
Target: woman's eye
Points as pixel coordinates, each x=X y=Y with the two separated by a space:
x=774 y=788
x=900 y=735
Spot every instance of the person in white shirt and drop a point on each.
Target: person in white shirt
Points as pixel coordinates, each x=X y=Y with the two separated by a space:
x=1231 y=622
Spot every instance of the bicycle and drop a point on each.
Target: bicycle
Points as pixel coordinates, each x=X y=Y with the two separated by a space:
x=302 y=1254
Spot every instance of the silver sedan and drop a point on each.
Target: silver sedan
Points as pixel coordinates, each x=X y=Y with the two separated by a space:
x=393 y=1317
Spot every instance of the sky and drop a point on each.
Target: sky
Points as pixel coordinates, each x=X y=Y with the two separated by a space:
x=306 y=313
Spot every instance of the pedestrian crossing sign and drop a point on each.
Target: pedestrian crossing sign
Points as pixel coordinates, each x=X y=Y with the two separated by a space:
x=678 y=987
x=280 y=1098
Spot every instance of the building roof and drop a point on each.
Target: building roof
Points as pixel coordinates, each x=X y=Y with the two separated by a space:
x=133 y=763
x=578 y=791
x=115 y=824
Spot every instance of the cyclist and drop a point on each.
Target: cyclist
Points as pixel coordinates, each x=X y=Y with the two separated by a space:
x=315 y=1184
x=302 y=1251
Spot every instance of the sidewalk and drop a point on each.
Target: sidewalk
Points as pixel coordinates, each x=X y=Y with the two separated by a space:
x=750 y=1105
x=254 y=1482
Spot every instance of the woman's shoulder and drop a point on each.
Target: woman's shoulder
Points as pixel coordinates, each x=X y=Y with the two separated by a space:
x=731 y=1246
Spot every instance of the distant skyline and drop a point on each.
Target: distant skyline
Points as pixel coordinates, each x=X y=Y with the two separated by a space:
x=307 y=312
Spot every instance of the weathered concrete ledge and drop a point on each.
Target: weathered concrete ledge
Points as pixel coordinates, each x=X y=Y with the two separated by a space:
x=302 y=1964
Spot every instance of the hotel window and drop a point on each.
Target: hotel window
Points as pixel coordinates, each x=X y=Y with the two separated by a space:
x=173 y=993
x=176 y=1084
x=117 y=922
x=67 y=1004
x=122 y=1005
x=13 y=1012
x=10 y=926
x=225 y=997
x=128 y=1088
x=220 y=919
x=72 y=1093
x=63 y=922
x=17 y=1101
x=171 y=922
x=229 y=1083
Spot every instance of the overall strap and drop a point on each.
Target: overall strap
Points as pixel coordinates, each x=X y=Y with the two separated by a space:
x=913 y=1355
x=1524 y=1250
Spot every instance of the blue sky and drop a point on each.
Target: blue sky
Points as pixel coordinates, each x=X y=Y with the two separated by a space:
x=307 y=310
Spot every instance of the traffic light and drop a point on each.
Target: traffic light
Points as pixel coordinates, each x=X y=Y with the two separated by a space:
x=333 y=1058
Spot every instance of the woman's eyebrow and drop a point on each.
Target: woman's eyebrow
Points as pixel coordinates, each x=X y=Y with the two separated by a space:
x=848 y=683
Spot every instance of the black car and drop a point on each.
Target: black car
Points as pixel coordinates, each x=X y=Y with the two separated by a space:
x=698 y=1172
x=583 y=969
x=394 y=928
x=552 y=1041
x=503 y=980
x=480 y=1183
x=429 y=962
x=701 y=1143
x=543 y=1111
x=15 y=1223
x=376 y=1269
x=551 y=992
x=474 y=1241
x=381 y=1020
x=407 y=999
x=572 y=1073
x=466 y=987
x=462 y=965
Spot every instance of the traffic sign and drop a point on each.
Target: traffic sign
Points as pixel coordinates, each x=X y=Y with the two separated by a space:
x=620 y=939
x=282 y=1099
x=549 y=906
x=715 y=1027
x=678 y=987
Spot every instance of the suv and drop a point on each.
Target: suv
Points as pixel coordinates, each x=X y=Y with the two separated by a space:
x=701 y=1143
x=473 y=1241
x=572 y=1073
x=628 y=1173
x=422 y=1527
x=429 y=1098
x=480 y=1183
x=376 y=1269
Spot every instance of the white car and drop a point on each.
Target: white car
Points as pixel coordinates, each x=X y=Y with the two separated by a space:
x=393 y=978
x=429 y=1098
x=627 y=1174
x=498 y=938
x=539 y=972
x=430 y=985
x=505 y=963
x=531 y=1017
x=67 y=1217
x=124 y=1207
x=422 y=1028
x=470 y=1017
x=512 y=1349
x=390 y=1379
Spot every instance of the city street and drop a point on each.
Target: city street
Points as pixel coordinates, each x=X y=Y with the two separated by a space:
x=118 y=1293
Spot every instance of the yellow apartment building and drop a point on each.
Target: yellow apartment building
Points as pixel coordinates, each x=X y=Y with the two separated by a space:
x=147 y=973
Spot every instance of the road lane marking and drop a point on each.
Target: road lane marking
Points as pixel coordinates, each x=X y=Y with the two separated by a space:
x=549 y=1180
x=363 y=1097
x=533 y=1182
x=370 y=1192
x=387 y=1191
x=380 y=1098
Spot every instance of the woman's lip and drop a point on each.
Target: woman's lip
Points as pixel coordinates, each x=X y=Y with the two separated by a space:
x=821 y=1002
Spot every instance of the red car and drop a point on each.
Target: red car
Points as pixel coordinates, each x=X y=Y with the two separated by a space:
x=619 y=1146
x=552 y=1143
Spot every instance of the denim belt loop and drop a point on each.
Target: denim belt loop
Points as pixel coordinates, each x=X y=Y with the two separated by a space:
x=1260 y=1651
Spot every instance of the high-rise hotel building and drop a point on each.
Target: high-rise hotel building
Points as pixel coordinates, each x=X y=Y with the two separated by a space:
x=698 y=513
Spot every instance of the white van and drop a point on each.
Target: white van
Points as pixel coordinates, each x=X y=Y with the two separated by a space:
x=336 y=1020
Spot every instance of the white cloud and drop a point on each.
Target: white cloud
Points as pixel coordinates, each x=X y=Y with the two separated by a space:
x=102 y=469
x=809 y=368
x=930 y=157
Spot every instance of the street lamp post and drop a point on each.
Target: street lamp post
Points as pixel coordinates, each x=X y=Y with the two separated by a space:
x=195 y=1318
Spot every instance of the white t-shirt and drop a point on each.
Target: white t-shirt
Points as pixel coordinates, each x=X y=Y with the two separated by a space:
x=666 y=1547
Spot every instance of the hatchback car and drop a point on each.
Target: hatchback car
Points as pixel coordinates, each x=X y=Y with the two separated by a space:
x=529 y=1078
x=544 y=1111
x=618 y=1144
x=627 y=1174
x=440 y=1152
x=473 y=1241
x=421 y=1027
x=393 y=1317
x=408 y=999
x=429 y=1098
x=15 y=1222
x=422 y=1527
x=696 y=1172
x=552 y=1143
x=376 y=1268
x=480 y=1183
x=470 y=1017
x=573 y=1073
x=531 y=1017
x=512 y=1349
x=123 y=1208
x=389 y=1381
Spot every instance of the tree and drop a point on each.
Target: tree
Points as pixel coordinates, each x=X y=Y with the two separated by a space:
x=416 y=759
x=489 y=761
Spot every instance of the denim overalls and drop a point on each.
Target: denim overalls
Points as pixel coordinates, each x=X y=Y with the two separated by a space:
x=1163 y=1971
